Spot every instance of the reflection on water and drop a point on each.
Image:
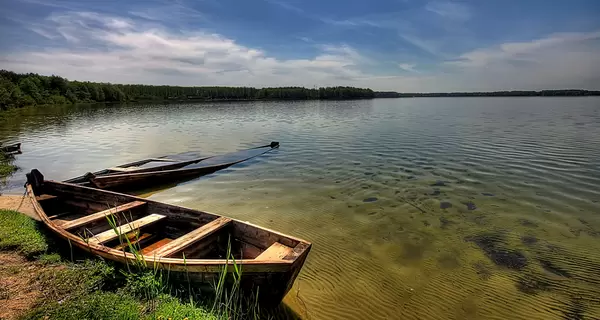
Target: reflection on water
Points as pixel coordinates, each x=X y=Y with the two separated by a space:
x=475 y=208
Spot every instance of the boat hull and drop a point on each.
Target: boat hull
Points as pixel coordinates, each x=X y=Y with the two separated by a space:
x=273 y=277
x=153 y=178
x=13 y=148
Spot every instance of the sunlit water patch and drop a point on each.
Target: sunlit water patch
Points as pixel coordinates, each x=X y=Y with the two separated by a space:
x=475 y=208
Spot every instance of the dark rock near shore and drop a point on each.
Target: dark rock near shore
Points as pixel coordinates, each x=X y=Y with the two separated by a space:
x=445 y=222
x=529 y=240
x=494 y=247
x=445 y=205
x=435 y=192
x=528 y=223
x=552 y=268
x=470 y=205
x=532 y=284
x=439 y=183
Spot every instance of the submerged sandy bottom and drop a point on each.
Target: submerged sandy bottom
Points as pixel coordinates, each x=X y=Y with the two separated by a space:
x=417 y=208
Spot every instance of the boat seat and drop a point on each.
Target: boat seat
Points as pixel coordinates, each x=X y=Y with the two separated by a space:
x=101 y=215
x=156 y=245
x=190 y=238
x=111 y=234
x=133 y=240
x=276 y=251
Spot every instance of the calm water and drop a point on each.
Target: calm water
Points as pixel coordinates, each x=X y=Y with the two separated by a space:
x=475 y=208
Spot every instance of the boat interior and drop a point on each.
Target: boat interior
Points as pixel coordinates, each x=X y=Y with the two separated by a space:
x=154 y=229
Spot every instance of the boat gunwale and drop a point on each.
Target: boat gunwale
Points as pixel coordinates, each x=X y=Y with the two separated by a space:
x=192 y=265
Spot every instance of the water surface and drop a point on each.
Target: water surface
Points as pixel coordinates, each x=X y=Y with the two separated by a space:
x=441 y=208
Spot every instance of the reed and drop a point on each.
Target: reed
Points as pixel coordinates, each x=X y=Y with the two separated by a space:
x=229 y=301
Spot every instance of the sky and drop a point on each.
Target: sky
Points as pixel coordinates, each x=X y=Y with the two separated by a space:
x=397 y=45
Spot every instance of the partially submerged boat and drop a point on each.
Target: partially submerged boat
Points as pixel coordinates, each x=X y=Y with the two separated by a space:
x=133 y=230
x=157 y=171
x=11 y=148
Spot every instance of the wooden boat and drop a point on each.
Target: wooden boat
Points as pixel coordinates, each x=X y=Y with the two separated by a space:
x=188 y=243
x=148 y=173
x=11 y=148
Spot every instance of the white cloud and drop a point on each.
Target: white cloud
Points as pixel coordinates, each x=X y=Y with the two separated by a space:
x=450 y=10
x=410 y=67
x=523 y=51
x=98 y=47
x=106 y=48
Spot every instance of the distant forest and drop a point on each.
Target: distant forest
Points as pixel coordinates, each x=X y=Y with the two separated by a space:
x=543 y=93
x=18 y=90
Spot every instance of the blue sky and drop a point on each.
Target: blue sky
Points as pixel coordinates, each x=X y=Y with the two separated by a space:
x=400 y=45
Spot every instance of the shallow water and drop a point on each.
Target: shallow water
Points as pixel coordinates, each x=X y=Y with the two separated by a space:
x=441 y=208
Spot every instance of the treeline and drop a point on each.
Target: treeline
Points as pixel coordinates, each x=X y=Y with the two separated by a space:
x=18 y=90
x=543 y=93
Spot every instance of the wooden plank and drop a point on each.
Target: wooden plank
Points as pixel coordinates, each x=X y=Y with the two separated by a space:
x=163 y=160
x=102 y=215
x=276 y=251
x=45 y=197
x=124 y=229
x=122 y=169
x=155 y=245
x=189 y=239
x=133 y=240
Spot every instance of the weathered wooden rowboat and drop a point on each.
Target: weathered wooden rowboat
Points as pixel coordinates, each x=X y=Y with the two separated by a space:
x=147 y=173
x=164 y=234
x=11 y=148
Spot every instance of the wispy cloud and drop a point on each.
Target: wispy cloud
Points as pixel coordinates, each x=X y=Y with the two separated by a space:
x=410 y=67
x=428 y=46
x=149 y=48
x=287 y=6
x=521 y=51
x=450 y=10
x=137 y=54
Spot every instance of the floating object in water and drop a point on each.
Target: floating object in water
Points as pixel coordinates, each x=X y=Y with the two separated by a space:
x=372 y=199
x=187 y=243
x=11 y=148
x=487 y=194
x=436 y=192
x=157 y=171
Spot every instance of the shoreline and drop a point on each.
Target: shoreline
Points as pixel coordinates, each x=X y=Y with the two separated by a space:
x=18 y=203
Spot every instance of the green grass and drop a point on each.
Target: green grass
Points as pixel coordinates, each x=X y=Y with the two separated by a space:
x=50 y=258
x=21 y=233
x=97 y=305
x=82 y=288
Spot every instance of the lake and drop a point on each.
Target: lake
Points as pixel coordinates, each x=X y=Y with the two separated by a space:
x=430 y=208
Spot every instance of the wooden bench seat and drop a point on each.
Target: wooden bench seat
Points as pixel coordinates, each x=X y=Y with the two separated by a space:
x=134 y=240
x=156 y=245
x=189 y=239
x=101 y=215
x=111 y=234
x=276 y=251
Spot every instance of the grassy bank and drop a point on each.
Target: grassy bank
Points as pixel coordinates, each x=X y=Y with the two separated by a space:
x=42 y=279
